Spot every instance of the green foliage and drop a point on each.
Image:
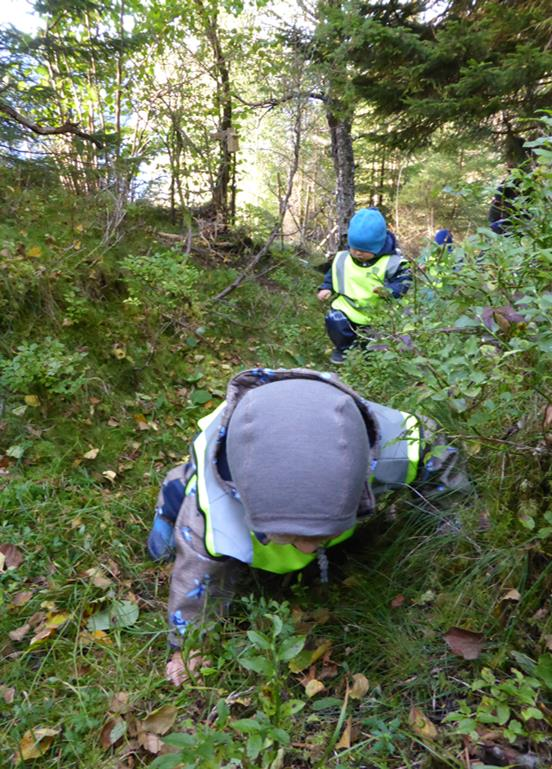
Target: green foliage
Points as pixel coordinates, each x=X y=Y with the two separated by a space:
x=47 y=367
x=512 y=705
x=487 y=366
x=166 y=275
x=262 y=736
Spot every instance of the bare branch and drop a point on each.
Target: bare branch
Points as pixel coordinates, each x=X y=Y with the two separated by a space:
x=67 y=128
x=276 y=102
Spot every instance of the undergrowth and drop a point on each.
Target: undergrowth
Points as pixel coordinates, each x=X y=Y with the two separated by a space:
x=110 y=354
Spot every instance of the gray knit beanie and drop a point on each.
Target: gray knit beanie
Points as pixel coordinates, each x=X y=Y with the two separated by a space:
x=298 y=453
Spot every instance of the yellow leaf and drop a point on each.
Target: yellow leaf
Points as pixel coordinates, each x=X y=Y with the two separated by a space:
x=345 y=740
x=34 y=251
x=314 y=687
x=320 y=651
x=92 y=454
x=421 y=725
x=36 y=742
x=32 y=400
x=360 y=687
x=77 y=245
x=79 y=227
x=56 y=620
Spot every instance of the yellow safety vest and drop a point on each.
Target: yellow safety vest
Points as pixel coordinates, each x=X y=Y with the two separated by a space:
x=355 y=285
x=226 y=533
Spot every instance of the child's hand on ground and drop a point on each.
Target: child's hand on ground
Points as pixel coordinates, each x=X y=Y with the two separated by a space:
x=324 y=294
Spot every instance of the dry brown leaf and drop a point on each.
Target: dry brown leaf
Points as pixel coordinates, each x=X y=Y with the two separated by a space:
x=421 y=725
x=345 y=739
x=397 y=601
x=113 y=731
x=314 y=687
x=13 y=557
x=150 y=742
x=160 y=720
x=92 y=454
x=51 y=625
x=36 y=618
x=511 y=595
x=21 y=598
x=360 y=687
x=19 y=633
x=464 y=643
x=7 y=693
x=119 y=703
x=98 y=578
x=177 y=672
x=36 y=742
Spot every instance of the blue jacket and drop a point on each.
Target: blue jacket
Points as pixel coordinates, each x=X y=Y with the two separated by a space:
x=401 y=280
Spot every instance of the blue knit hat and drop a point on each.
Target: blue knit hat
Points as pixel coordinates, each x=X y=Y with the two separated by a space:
x=367 y=230
x=443 y=236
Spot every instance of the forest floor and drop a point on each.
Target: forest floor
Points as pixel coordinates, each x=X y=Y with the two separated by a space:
x=134 y=358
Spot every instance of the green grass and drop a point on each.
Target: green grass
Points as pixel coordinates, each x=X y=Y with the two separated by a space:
x=67 y=518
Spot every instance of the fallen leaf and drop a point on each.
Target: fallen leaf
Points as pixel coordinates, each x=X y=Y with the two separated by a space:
x=150 y=742
x=36 y=742
x=92 y=454
x=120 y=614
x=141 y=421
x=110 y=475
x=511 y=595
x=397 y=601
x=421 y=725
x=112 y=422
x=345 y=739
x=119 y=703
x=13 y=557
x=7 y=693
x=49 y=628
x=34 y=252
x=32 y=400
x=112 y=732
x=464 y=643
x=178 y=673
x=20 y=633
x=96 y=636
x=98 y=578
x=314 y=687
x=360 y=687
x=21 y=598
x=161 y=720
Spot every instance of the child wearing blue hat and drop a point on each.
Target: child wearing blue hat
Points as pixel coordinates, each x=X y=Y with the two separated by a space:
x=362 y=278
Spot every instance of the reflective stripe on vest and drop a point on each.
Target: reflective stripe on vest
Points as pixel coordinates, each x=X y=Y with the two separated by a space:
x=225 y=530
x=226 y=533
x=355 y=284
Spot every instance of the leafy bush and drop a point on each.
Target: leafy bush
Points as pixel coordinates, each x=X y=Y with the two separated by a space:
x=47 y=366
x=165 y=279
x=471 y=344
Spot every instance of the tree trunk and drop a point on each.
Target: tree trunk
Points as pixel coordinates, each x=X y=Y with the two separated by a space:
x=344 y=165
